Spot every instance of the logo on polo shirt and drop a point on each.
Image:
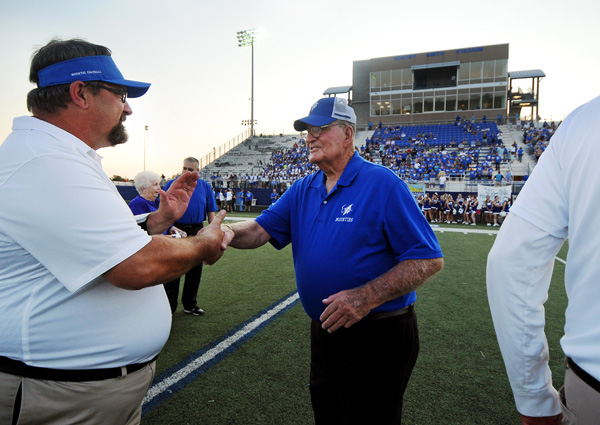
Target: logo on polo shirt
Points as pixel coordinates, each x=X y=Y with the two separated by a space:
x=346 y=209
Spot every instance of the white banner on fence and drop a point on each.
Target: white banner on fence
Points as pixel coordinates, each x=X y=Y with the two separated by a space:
x=500 y=191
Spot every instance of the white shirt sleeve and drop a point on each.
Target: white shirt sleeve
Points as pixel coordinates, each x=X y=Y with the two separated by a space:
x=517 y=291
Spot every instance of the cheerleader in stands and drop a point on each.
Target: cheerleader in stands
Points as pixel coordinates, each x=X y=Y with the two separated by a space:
x=496 y=210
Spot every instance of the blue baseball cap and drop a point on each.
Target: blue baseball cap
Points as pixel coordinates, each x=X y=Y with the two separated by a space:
x=89 y=68
x=326 y=111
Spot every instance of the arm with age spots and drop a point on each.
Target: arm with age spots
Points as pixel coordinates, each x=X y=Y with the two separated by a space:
x=245 y=235
x=346 y=308
x=166 y=258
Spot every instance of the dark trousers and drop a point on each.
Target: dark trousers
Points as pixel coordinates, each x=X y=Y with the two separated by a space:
x=358 y=375
x=191 y=280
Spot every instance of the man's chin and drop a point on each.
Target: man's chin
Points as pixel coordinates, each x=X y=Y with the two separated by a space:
x=118 y=135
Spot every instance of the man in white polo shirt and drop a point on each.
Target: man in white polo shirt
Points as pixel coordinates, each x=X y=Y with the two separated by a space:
x=81 y=321
x=558 y=202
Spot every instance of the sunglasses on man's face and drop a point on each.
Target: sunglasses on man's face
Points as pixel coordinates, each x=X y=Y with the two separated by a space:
x=121 y=92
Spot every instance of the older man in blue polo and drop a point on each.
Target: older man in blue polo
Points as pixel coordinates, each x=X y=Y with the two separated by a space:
x=357 y=268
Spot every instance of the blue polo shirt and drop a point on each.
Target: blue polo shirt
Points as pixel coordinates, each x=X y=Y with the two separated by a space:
x=202 y=200
x=343 y=240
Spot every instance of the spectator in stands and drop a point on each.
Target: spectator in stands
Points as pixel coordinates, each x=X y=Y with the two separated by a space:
x=364 y=335
x=552 y=207
x=200 y=208
x=442 y=178
x=498 y=178
x=520 y=154
x=82 y=315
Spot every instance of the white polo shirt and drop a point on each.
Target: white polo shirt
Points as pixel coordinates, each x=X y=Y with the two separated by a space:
x=62 y=225
x=561 y=200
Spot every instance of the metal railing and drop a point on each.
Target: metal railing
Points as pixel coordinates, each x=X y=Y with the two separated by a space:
x=224 y=148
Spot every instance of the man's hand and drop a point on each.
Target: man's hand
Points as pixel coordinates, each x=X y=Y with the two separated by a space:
x=344 y=309
x=543 y=420
x=174 y=201
x=229 y=234
x=213 y=236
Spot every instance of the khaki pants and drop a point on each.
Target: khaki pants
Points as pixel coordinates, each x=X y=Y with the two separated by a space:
x=582 y=401
x=112 y=401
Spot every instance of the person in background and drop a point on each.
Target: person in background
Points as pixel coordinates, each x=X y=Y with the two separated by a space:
x=229 y=200
x=241 y=199
x=148 y=186
x=249 y=197
x=557 y=203
x=274 y=196
x=83 y=317
x=357 y=269
x=201 y=207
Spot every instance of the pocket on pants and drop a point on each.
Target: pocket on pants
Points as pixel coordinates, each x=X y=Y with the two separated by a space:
x=568 y=415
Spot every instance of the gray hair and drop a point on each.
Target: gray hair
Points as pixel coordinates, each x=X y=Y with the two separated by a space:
x=192 y=159
x=352 y=126
x=145 y=179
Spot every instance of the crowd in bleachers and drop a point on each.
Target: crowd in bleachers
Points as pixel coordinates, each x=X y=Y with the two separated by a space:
x=288 y=165
x=284 y=166
x=537 y=138
x=463 y=150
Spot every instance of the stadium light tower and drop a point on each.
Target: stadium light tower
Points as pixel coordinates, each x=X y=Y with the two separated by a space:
x=250 y=38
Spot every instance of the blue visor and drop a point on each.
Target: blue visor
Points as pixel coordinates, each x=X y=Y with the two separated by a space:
x=89 y=68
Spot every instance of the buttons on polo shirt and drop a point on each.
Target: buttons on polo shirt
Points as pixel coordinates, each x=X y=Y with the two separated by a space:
x=325 y=202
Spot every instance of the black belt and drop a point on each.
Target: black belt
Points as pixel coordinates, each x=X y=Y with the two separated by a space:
x=583 y=375
x=18 y=368
x=387 y=314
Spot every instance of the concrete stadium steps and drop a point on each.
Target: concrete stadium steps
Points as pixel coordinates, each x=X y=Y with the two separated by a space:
x=245 y=158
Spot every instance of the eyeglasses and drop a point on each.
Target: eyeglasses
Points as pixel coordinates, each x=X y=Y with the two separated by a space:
x=316 y=131
x=122 y=92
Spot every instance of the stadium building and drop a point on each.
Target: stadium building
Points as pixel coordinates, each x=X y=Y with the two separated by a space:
x=431 y=87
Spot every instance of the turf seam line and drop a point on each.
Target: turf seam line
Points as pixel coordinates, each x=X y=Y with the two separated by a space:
x=185 y=372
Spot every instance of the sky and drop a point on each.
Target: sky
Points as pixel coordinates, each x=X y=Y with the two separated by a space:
x=201 y=82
